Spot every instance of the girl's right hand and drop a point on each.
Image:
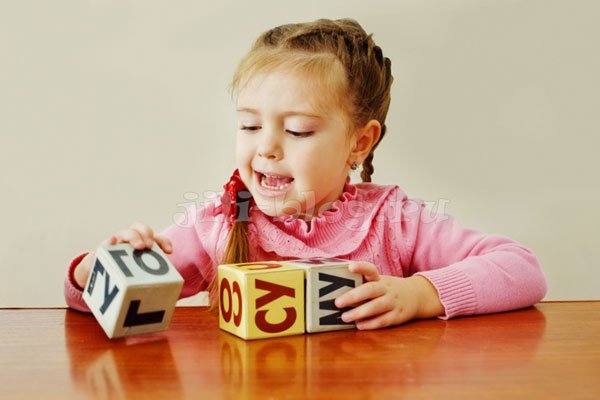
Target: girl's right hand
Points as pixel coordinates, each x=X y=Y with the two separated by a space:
x=139 y=235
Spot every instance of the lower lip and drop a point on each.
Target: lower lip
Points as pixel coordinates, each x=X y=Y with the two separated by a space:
x=263 y=191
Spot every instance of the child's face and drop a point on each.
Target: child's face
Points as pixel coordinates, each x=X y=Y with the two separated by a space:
x=292 y=144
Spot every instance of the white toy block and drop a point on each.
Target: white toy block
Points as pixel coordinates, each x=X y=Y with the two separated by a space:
x=326 y=279
x=132 y=291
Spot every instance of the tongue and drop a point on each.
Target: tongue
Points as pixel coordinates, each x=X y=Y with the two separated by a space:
x=277 y=181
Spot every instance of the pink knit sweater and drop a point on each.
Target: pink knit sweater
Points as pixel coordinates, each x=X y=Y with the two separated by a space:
x=474 y=273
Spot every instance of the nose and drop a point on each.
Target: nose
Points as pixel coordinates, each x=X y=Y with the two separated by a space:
x=269 y=146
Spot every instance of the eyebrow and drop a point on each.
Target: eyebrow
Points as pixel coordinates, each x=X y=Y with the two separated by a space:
x=285 y=114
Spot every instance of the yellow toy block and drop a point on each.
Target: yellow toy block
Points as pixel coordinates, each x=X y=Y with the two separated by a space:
x=260 y=300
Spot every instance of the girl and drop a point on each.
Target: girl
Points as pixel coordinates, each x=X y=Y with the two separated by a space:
x=312 y=99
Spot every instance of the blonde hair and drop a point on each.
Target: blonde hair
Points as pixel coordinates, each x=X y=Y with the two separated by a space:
x=351 y=67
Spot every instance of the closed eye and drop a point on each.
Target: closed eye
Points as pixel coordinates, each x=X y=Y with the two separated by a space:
x=250 y=128
x=299 y=134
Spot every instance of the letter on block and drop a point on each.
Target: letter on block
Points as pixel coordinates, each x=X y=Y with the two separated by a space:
x=132 y=291
x=260 y=300
x=326 y=279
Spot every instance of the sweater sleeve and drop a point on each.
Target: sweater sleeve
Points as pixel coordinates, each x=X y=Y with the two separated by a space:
x=473 y=273
x=73 y=292
x=189 y=257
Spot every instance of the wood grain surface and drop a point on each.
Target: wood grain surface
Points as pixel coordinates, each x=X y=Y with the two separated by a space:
x=551 y=351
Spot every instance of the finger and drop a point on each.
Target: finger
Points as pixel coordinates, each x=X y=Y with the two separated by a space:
x=367 y=310
x=145 y=232
x=362 y=293
x=366 y=269
x=132 y=237
x=164 y=243
x=110 y=241
x=381 y=321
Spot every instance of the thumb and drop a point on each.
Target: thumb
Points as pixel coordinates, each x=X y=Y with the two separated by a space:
x=366 y=269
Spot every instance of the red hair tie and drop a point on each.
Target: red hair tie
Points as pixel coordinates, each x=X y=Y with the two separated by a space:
x=236 y=194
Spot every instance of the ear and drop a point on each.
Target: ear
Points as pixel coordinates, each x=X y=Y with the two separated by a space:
x=364 y=140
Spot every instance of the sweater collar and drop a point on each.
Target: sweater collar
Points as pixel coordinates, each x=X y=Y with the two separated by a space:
x=336 y=231
x=304 y=225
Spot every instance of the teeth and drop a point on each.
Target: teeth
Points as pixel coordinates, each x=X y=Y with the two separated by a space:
x=279 y=187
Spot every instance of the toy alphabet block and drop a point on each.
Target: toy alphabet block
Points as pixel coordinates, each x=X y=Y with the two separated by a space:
x=132 y=291
x=260 y=300
x=326 y=279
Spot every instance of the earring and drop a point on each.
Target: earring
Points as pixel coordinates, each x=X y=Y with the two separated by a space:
x=354 y=165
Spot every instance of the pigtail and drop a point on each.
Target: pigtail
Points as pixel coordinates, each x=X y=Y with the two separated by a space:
x=235 y=205
x=236 y=252
x=367 y=165
x=367 y=168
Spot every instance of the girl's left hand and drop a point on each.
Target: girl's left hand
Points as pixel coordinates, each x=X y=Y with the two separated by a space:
x=387 y=300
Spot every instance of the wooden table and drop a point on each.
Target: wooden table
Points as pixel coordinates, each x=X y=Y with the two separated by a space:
x=551 y=351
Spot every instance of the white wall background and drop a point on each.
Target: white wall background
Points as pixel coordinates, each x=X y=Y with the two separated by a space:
x=112 y=110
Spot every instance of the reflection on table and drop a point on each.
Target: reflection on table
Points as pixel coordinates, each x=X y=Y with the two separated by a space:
x=485 y=354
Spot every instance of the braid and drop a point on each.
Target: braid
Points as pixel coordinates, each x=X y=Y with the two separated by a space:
x=367 y=168
x=367 y=165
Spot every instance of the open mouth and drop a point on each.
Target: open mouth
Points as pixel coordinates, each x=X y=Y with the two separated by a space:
x=274 y=182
